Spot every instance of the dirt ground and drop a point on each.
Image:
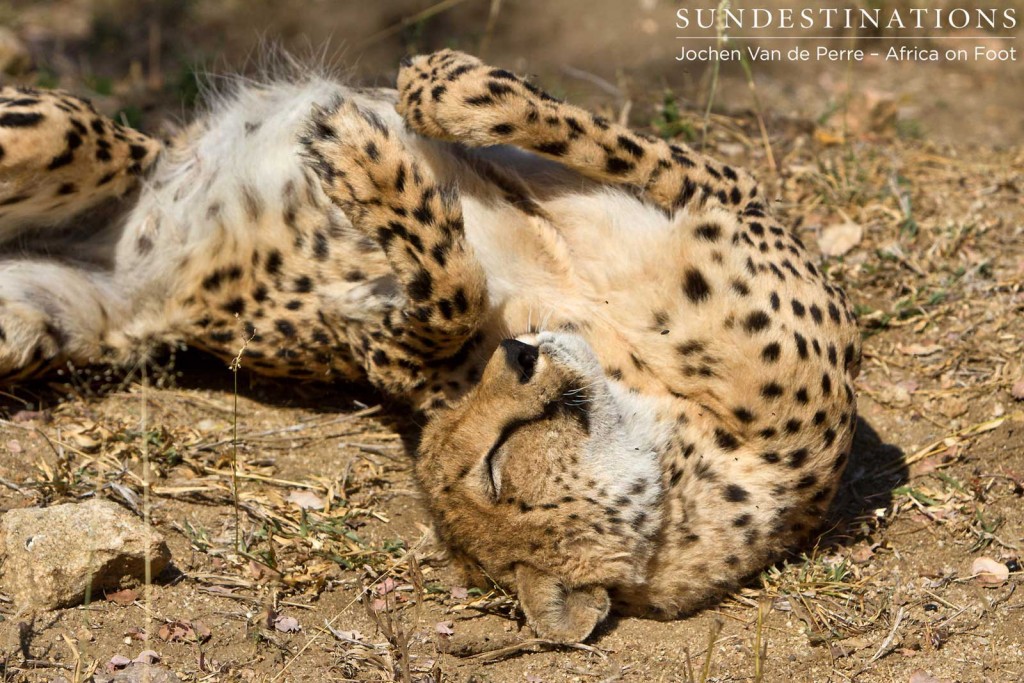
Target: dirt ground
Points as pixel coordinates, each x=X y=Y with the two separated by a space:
x=300 y=548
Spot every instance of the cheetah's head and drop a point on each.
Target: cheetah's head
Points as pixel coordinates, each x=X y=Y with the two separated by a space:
x=546 y=477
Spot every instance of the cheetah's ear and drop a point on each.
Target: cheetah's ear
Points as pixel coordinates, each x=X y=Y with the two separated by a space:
x=566 y=615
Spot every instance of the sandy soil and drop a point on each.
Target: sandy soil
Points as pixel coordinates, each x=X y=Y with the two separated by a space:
x=886 y=591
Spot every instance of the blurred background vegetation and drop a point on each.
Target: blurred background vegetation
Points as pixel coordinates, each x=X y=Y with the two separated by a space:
x=141 y=59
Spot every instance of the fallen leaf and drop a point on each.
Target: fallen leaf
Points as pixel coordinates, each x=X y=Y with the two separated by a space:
x=147 y=657
x=920 y=676
x=124 y=597
x=460 y=593
x=306 y=500
x=836 y=240
x=287 y=624
x=444 y=628
x=919 y=349
x=989 y=572
x=14 y=446
x=386 y=586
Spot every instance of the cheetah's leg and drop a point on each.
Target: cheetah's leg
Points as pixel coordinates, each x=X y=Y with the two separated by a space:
x=393 y=198
x=454 y=96
x=52 y=313
x=60 y=157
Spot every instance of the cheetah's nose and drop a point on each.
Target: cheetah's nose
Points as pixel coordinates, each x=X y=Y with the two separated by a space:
x=520 y=357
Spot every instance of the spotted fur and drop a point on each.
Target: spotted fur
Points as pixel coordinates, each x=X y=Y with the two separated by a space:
x=638 y=384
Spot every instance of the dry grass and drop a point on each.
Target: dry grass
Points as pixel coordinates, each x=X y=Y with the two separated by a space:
x=303 y=508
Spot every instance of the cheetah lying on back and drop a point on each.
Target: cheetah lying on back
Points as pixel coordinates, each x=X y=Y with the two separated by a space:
x=638 y=385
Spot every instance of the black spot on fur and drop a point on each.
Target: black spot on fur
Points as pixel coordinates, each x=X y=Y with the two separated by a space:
x=734 y=493
x=695 y=287
x=801 y=345
x=756 y=322
x=618 y=166
x=303 y=284
x=690 y=347
x=61 y=160
x=17 y=119
x=743 y=415
x=806 y=482
x=771 y=353
x=631 y=147
x=743 y=520
x=725 y=440
x=136 y=152
x=555 y=149
x=273 y=264
x=235 y=306
x=797 y=458
x=421 y=286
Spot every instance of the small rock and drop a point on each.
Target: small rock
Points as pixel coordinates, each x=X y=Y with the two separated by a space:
x=140 y=673
x=920 y=676
x=989 y=572
x=118 y=662
x=51 y=556
x=307 y=500
x=837 y=240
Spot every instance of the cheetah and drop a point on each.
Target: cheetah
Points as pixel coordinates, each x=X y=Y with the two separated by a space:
x=637 y=385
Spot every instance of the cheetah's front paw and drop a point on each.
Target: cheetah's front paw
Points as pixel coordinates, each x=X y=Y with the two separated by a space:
x=450 y=95
x=29 y=341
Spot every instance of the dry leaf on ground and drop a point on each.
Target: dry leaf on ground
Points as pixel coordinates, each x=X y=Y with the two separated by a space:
x=989 y=572
x=287 y=624
x=836 y=240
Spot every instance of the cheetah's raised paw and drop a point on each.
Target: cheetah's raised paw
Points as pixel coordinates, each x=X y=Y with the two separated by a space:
x=450 y=95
